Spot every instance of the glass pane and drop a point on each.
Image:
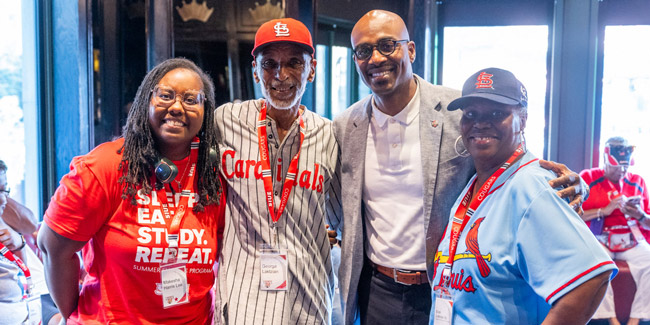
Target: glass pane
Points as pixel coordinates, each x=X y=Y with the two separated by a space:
x=626 y=91
x=321 y=79
x=520 y=49
x=341 y=57
x=18 y=102
x=363 y=89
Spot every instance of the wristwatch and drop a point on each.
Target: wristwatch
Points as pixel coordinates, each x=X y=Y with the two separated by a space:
x=22 y=245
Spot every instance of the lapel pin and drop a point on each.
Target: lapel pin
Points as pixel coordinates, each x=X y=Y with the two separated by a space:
x=434 y=123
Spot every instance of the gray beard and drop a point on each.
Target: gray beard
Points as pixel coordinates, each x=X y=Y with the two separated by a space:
x=285 y=104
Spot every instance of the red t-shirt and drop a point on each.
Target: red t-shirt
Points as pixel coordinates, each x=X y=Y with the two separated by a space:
x=126 y=242
x=602 y=191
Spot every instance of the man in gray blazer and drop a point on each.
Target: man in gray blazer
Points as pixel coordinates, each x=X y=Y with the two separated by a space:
x=377 y=238
x=403 y=167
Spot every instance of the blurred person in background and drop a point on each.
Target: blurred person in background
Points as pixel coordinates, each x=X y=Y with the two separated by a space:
x=15 y=220
x=617 y=213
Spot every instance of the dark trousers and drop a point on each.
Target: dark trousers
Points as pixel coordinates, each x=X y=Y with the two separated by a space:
x=384 y=301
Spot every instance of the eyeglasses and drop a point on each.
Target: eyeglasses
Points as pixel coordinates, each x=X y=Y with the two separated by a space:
x=191 y=99
x=385 y=47
x=5 y=191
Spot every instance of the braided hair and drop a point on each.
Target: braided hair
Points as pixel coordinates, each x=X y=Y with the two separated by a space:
x=139 y=149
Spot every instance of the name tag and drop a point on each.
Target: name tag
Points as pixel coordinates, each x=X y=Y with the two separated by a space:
x=34 y=309
x=273 y=269
x=175 y=290
x=444 y=307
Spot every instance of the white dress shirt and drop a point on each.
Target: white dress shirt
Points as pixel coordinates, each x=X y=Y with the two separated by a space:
x=393 y=190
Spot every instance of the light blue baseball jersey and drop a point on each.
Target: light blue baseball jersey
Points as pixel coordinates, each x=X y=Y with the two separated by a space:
x=533 y=250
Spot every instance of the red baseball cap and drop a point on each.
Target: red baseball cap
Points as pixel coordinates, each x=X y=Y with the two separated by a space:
x=283 y=30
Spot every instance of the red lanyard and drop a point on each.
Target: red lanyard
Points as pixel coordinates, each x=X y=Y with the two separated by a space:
x=186 y=192
x=465 y=210
x=289 y=180
x=13 y=258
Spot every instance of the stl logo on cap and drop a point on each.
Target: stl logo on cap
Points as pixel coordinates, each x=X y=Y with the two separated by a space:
x=281 y=29
x=484 y=80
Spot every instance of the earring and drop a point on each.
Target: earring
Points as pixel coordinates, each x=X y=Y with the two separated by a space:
x=523 y=140
x=463 y=152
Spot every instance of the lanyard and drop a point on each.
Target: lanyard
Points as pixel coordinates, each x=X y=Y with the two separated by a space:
x=465 y=211
x=28 y=275
x=186 y=192
x=289 y=180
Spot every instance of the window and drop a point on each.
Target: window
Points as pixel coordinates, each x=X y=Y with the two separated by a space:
x=519 y=49
x=626 y=91
x=18 y=122
x=337 y=83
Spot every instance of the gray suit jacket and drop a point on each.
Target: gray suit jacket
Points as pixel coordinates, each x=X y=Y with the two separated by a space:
x=445 y=175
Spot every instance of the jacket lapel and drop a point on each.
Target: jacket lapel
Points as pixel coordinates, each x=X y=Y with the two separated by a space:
x=431 y=124
x=356 y=146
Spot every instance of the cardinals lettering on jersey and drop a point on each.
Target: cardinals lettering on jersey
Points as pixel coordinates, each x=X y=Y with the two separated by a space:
x=232 y=167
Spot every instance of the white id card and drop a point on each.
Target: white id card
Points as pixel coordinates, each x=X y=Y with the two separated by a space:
x=175 y=290
x=273 y=269
x=34 y=309
x=444 y=307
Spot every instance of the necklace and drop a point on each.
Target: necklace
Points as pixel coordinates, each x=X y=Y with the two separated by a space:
x=178 y=182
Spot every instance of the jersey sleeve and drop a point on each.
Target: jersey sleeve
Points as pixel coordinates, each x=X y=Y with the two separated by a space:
x=556 y=252
x=80 y=205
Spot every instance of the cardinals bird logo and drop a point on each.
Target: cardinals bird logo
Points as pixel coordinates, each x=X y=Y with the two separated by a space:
x=471 y=241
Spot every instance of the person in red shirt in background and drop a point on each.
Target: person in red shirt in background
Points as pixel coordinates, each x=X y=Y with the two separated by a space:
x=617 y=212
x=147 y=209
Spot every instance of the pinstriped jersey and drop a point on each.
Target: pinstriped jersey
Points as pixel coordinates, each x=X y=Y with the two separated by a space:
x=301 y=227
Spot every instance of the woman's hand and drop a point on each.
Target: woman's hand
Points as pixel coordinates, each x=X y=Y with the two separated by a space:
x=331 y=235
x=10 y=239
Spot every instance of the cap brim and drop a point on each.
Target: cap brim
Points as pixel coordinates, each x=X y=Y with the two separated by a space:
x=260 y=47
x=459 y=103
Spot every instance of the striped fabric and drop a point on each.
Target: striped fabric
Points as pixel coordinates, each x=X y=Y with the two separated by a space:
x=301 y=228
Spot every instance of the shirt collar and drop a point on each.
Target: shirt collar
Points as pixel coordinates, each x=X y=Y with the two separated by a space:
x=406 y=116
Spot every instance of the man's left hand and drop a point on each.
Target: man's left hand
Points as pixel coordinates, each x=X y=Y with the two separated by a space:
x=573 y=187
x=633 y=210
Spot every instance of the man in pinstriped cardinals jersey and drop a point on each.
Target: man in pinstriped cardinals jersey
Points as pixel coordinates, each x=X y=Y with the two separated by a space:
x=280 y=193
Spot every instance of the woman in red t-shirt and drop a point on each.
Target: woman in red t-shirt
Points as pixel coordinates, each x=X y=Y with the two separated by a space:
x=146 y=210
